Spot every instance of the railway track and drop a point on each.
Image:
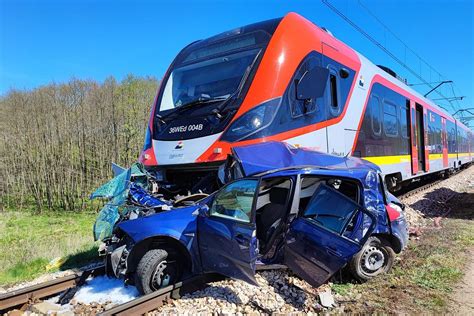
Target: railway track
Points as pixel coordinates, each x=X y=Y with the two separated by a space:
x=418 y=189
x=67 y=285
x=414 y=189
x=149 y=302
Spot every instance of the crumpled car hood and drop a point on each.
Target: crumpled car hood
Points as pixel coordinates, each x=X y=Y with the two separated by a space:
x=178 y=223
x=117 y=191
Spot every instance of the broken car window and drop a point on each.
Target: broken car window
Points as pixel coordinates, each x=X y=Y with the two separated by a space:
x=235 y=201
x=330 y=209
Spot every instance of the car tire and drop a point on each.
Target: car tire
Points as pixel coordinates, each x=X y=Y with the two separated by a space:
x=376 y=257
x=154 y=271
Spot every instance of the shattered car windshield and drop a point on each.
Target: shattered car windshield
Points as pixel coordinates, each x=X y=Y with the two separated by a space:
x=212 y=79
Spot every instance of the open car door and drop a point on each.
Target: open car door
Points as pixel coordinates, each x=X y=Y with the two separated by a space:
x=227 y=232
x=326 y=235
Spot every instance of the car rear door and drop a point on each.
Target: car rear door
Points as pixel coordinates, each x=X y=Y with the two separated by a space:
x=227 y=233
x=326 y=235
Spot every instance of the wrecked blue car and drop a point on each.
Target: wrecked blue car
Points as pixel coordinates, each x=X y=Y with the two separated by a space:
x=313 y=212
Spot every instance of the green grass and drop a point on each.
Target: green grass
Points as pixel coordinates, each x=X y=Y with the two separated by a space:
x=29 y=241
x=342 y=288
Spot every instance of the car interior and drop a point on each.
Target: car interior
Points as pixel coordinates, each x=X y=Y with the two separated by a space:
x=273 y=205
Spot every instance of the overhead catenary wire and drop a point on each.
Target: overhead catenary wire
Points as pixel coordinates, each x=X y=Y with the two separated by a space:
x=386 y=50
x=407 y=47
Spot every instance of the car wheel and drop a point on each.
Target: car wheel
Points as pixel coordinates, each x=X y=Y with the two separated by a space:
x=376 y=257
x=154 y=271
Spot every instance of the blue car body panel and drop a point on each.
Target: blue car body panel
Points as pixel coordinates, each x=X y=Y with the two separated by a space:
x=316 y=254
x=228 y=247
x=400 y=230
x=178 y=223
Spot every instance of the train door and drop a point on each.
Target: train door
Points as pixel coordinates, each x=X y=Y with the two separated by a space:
x=444 y=142
x=413 y=136
x=417 y=138
x=420 y=132
x=427 y=148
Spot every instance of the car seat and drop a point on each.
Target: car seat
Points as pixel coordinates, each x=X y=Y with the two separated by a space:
x=270 y=218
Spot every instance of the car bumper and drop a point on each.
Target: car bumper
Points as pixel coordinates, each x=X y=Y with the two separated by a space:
x=400 y=231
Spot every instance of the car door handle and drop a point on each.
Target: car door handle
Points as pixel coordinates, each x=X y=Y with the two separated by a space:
x=334 y=251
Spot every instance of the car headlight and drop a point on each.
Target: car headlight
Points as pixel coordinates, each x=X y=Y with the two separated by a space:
x=253 y=121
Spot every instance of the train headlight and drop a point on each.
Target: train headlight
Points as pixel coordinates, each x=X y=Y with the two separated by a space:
x=256 y=122
x=253 y=121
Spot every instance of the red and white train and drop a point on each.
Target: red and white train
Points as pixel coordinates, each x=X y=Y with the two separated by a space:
x=289 y=80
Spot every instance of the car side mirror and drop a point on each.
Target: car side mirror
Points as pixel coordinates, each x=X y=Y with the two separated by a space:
x=204 y=211
x=312 y=84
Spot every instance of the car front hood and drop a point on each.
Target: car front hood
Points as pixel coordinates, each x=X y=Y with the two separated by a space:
x=179 y=223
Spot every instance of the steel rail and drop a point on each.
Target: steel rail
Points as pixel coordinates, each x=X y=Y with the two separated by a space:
x=152 y=301
x=417 y=189
x=23 y=296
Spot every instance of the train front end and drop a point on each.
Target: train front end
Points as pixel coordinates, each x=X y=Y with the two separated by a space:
x=234 y=89
x=200 y=95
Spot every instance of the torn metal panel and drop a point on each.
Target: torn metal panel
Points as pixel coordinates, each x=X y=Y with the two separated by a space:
x=128 y=197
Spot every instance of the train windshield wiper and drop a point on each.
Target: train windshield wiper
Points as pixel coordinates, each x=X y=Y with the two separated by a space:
x=193 y=104
x=224 y=99
x=218 y=110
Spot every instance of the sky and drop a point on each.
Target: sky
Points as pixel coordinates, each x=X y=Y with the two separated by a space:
x=52 y=40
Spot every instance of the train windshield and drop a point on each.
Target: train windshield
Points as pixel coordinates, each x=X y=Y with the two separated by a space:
x=208 y=81
x=212 y=79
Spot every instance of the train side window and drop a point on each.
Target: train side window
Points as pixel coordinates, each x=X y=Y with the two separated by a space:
x=390 y=122
x=374 y=108
x=333 y=92
x=404 y=113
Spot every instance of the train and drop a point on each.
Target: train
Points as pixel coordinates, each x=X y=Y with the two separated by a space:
x=289 y=80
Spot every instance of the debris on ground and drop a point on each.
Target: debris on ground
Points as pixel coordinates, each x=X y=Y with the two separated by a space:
x=326 y=298
x=279 y=291
x=45 y=308
x=103 y=289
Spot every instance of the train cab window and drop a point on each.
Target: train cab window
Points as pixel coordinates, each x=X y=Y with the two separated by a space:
x=374 y=108
x=390 y=122
x=300 y=108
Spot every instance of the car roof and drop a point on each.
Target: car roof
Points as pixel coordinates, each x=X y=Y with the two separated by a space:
x=278 y=157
